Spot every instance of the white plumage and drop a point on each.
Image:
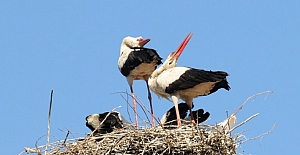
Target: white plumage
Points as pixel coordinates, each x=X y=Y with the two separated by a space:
x=137 y=63
x=185 y=83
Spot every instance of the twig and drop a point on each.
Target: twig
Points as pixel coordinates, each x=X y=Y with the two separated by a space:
x=36 y=143
x=29 y=150
x=102 y=121
x=244 y=122
x=48 y=129
x=128 y=104
x=142 y=105
x=228 y=119
x=253 y=96
x=66 y=138
x=261 y=135
x=130 y=107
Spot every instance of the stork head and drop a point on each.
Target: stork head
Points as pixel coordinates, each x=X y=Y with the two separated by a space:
x=173 y=57
x=130 y=42
x=92 y=121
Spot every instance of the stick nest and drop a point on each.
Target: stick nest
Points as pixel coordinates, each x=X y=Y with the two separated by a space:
x=201 y=140
x=155 y=140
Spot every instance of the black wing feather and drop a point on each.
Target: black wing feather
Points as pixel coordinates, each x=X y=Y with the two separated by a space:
x=171 y=114
x=193 y=77
x=138 y=56
x=200 y=116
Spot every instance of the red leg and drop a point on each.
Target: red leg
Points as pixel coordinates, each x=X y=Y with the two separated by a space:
x=191 y=113
x=192 y=118
x=178 y=116
x=134 y=107
x=175 y=101
x=150 y=100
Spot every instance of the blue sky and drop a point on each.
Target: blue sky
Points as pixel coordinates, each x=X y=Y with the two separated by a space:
x=73 y=48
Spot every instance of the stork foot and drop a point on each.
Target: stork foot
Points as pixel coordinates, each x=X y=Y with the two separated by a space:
x=193 y=123
x=178 y=123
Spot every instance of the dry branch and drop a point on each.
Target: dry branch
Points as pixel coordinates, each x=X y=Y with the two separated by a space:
x=261 y=135
x=48 y=126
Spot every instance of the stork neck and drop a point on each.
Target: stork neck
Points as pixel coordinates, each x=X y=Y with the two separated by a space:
x=166 y=65
x=158 y=71
x=123 y=48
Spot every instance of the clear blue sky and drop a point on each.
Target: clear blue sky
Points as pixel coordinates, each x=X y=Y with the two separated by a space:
x=73 y=48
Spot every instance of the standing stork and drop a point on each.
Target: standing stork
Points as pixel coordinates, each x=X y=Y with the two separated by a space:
x=169 y=81
x=138 y=63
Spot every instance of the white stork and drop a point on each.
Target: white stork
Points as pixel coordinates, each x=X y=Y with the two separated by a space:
x=169 y=81
x=138 y=63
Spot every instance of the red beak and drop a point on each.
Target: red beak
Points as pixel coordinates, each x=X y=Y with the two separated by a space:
x=177 y=53
x=143 y=42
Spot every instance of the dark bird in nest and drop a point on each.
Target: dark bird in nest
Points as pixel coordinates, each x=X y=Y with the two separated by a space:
x=116 y=121
x=169 y=118
x=113 y=121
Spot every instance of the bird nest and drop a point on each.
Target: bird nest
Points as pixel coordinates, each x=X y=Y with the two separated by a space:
x=154 y=140
x=202 y=139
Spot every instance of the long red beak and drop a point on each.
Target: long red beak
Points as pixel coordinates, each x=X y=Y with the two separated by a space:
x=175 y=55
x=143 y=42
